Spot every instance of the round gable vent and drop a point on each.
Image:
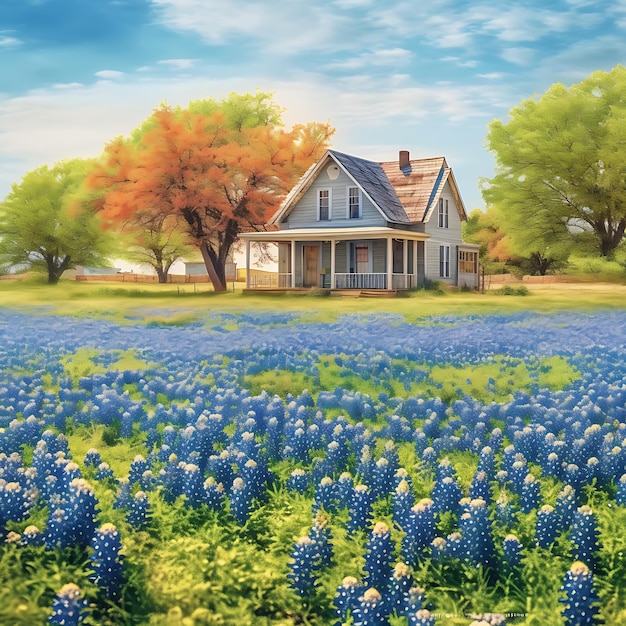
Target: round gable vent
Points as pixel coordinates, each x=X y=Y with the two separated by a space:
x=333 y=171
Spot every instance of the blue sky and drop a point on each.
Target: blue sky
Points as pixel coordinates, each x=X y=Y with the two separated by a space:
x=392 y=75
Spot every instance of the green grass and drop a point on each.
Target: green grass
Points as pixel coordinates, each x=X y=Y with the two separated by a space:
x=88 y=361
x=180 y=304
x=495 y=381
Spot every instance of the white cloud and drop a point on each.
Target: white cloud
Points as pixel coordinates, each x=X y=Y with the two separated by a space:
x=109 y=74
x=526 y=24
x=46 y=126
x=379 y=58
x=66 y=85
x=298 y=26
x=518 y=55
x=7 y=41
x=353 y=4
x=580 y=59
x=179 y=64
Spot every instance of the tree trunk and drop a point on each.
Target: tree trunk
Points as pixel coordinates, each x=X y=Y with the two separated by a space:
x=610 y=236
x=215 y=268
x=56 y=267
x=162 y=275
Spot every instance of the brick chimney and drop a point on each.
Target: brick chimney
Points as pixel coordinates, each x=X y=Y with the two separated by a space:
x=403 y=159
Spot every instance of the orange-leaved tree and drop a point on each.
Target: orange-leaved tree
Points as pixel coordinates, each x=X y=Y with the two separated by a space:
x=219 y=167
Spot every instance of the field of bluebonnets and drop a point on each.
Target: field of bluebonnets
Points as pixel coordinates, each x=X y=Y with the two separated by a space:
x=268 y=468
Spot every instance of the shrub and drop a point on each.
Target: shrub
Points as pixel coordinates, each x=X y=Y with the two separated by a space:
x=509 y=290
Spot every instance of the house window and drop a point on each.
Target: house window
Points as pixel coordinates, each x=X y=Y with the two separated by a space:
x=443 y=213
x=468 y=262
x=323 y=204
x=354 y=203
x=444 y=261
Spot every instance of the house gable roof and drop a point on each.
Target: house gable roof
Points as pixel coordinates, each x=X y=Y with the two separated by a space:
x=419 y=186
x=371 y=177
x=403 y=196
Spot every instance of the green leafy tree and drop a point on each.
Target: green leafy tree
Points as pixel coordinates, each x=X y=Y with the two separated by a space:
x=156 y=241
x=561 y=166
x=45 y=225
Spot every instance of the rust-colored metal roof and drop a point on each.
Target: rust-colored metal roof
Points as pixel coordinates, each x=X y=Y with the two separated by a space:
x=418 y=184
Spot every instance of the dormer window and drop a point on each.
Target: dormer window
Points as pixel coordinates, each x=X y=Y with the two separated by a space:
x=443 y=213
x=354 y=203
x=323 y=205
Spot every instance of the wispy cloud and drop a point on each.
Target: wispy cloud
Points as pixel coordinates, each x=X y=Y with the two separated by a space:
x=395 y=57
x=66 y=85
x=109 y=74
x=7 y=41
x=525 y=24
x=518 y=55
x=299 y=25
x=178 y=64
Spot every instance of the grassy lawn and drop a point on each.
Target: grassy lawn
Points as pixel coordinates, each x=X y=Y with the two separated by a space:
x=181 y=304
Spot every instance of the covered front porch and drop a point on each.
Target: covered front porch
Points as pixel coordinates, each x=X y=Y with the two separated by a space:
x=365 y=258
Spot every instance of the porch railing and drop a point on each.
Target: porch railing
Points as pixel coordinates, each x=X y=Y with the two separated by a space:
x=402 y=281
x=273 y=280
x=361 y=281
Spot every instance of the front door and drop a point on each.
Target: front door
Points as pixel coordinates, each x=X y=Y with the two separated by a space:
x=362 y=258
x=311 y=266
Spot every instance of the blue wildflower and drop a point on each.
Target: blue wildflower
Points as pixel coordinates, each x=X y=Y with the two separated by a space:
x=512 y=549
x=546 y=528
x=139 y=514
x=68 y=606
x=580 y=599
x=302 y=567
x=214 y=494
x=370 y=609
x=585 y=535
x=379 y=553
x=346 y=597
x=106 y=560
x=240 y=500
x=360 y=508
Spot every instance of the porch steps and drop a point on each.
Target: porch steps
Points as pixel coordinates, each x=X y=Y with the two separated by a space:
x=378 y=293
x=342 y=293
x=346 y=293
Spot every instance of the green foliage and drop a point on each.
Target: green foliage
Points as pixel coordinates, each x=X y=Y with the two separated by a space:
x=280 y=382
x=45 y=225
x=560 y=168
x=446 y=381
x=598 y=268
x=509 y=290
x=89 y=361
x=433 y=286
x=154 y=241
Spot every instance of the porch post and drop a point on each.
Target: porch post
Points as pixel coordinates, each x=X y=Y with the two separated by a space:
x=247 y=264
x=405 y=263
x=293 y=264
x=415 y=264
x=389 y=262
x=332 y=263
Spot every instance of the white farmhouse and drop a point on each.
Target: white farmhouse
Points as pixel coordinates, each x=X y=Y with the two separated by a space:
x=351 y=223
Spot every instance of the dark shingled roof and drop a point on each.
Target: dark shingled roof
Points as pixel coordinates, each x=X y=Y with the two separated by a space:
x=404 y=196
x=371 y=177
